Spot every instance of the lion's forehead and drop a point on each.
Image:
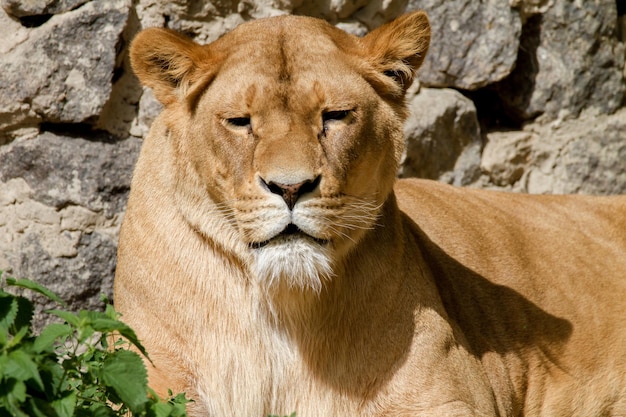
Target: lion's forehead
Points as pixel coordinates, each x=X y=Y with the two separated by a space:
x=289 y=51
x=300 y=83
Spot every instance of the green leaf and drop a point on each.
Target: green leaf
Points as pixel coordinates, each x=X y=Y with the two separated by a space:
x=160 y=409
x=110 y=312
x=107 y=325
x=21 y=367
x=50 y=334
x=70 y=318
x=34 y=286
x=8 y=312
x=17 y=339
x=4 y=359
x=41 y=408
x=97 y=410
x=17 y=390
x=52 y=375
x=65 y=406
x=85 y=331
x=126 y=374
x=24 y=315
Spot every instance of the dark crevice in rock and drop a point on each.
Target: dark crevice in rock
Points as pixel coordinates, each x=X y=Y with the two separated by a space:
x=35 y=20
x=491 y=111
x=80 y=131
x=503 y=105
x=117 y=74
x=621 y=22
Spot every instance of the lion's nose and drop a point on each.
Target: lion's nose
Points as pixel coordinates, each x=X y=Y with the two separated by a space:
x=292 y=192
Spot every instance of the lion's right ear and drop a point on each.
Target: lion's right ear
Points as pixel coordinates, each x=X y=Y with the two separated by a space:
x=167 y=62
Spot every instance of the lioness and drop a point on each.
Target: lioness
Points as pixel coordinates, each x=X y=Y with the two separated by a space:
x=271 y=263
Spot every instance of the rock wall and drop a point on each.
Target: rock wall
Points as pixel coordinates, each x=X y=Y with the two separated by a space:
x=518 y=95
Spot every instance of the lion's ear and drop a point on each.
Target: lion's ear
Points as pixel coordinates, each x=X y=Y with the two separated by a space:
x=167 y=62
x=399 y=47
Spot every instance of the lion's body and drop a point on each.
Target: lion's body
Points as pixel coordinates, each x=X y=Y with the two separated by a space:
x=345 y=297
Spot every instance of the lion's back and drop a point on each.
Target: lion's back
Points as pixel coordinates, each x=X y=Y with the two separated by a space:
x=538 y=280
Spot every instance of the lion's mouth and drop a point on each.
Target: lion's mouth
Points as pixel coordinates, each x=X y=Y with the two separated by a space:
x=289 y=233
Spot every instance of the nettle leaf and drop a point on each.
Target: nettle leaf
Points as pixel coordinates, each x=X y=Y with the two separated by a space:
x=126 y=374
x=50 y=335
x=24 y=316
x=85 y=332
x=34 y=286
x=40 y=408
x=52 y=375
x=8 y=311
x=70 y=318
x=97 y=410
x=64 y=407
x=19 y=336
x=161 y=409
x=16 y=390
x=130 y=335
x=21 y=367
x=107 y=325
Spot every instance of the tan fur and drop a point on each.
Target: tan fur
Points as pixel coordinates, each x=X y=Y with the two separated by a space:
x=418 y=300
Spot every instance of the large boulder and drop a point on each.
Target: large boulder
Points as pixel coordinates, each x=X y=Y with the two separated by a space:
x=585 y=155
x=61 y=204
x=443 y=140
x=62 y=71
x=21 y=8
x=570 y=59
x=474 y=43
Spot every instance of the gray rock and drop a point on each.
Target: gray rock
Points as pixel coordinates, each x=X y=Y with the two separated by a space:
x=529 y=8
x=205 y=21
x=63 y=72
x=585 y=155
x=61 y=204
x=64 y=171
x=21 y=8
x=332 y=10
x=506 y=155
x=149 y=109
x=570 y=59
x=474 y=43
x=443 y=138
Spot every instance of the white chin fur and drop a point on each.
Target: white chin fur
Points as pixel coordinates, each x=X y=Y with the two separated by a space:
x=293 y=262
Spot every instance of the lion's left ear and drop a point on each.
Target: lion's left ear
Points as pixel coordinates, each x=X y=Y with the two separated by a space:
x=399 y=47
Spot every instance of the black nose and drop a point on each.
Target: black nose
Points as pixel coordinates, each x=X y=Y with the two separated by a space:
x=292 y=192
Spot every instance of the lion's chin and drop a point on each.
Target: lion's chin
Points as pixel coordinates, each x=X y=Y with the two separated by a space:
x=295 y=261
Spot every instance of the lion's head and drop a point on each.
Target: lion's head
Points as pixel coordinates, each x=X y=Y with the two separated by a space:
x=287 y=134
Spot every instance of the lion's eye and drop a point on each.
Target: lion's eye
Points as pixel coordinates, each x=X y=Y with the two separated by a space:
x=239 y=121
x=335 y=115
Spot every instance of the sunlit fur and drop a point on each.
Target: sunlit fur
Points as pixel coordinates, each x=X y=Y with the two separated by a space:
x=295 y=262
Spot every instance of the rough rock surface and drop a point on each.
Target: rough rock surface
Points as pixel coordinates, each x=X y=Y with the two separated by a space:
x=443 y=137
x=50 y=77
x=61 y=204
x=586 y=155
x=570 y=59
x=529 y=98
x=21 y=8
x=476 y=42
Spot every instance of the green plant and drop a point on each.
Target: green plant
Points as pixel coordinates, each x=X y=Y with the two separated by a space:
x=69 y=369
